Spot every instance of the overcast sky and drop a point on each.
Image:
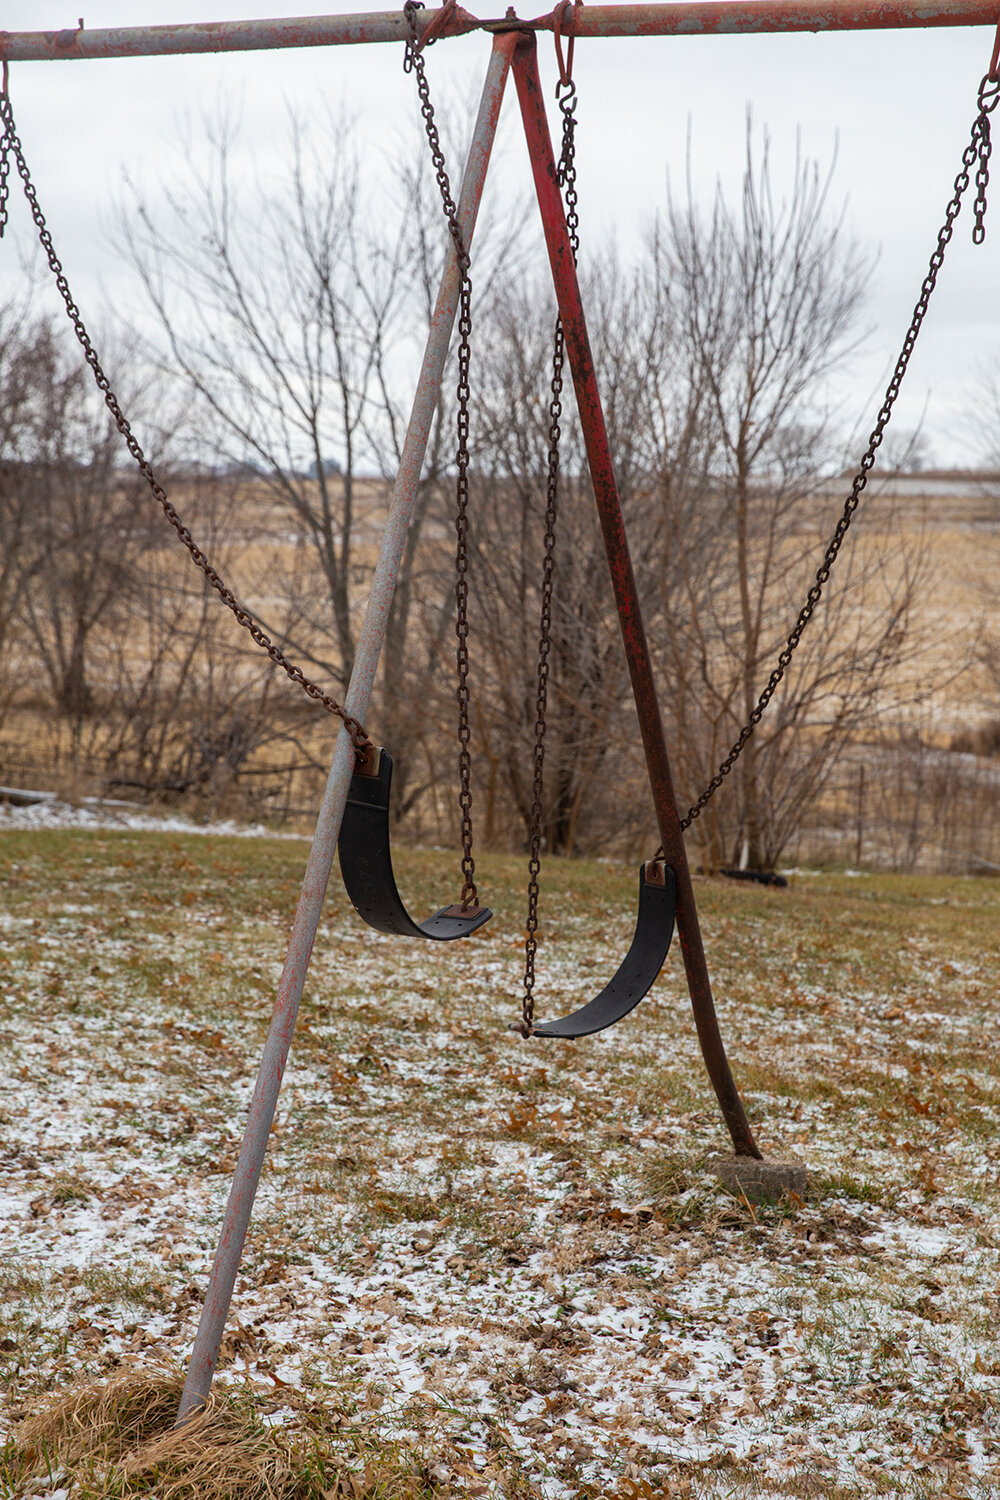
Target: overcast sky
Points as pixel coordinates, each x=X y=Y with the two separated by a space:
x=896 y=105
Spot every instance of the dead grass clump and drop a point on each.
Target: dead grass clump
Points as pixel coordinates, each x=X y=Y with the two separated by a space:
x=122 y=1434
x=103 y=1421
x=684 y=1196
x=119 y=1440
x=666 y=1175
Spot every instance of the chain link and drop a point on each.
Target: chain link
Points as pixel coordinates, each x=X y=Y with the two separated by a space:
x=566 y=169
x=977 y=151
x=413 y=62
x=541 y=700
x=566 y=177
x=989 y=90
x=359 y=737
x=4 y=149
x=4 y=178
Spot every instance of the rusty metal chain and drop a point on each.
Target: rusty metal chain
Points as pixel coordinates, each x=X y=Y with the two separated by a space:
x=541 y=700
x=976 y=152
x=359 y=737
x=566 y=177
x=4 y=179
x=566 y=168
x=413 y=62
x=989 y=90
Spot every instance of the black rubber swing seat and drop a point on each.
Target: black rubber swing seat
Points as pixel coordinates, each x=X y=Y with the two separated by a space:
x=366 y=866
x=638 y=970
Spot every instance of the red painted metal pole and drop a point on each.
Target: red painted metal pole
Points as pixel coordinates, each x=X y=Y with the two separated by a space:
x=699 y=18
x=724 y=17
x=279 y=1038
x=529 y=93
x=77 y=43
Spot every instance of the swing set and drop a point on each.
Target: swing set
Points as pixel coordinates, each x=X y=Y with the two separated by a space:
x=354 y=816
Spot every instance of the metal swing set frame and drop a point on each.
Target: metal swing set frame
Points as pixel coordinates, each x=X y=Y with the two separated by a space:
x=513 y=51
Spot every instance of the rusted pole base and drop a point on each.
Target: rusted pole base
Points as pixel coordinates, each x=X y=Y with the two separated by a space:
x=768 y=1180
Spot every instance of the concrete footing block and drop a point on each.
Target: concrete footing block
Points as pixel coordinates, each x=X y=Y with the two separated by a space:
x=771 y=1179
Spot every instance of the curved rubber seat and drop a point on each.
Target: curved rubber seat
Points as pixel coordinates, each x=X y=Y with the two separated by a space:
x=639 y=968
x=366 y=865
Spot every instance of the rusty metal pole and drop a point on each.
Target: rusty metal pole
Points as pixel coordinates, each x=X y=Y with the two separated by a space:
x=279 y=1038
x=688 y=18
x=529 y=93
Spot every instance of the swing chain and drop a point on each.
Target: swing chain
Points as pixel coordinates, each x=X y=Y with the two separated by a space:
x=413 y=62
x=566 y=177
x=4 y=183
x=977 y=152
x=4 y=152
x=359 y=736
x=989 y=92
x=566 y=169
x=541 y=702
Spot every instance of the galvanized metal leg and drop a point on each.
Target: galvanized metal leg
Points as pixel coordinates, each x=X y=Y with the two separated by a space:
x=529 y=92
x=279 y=1038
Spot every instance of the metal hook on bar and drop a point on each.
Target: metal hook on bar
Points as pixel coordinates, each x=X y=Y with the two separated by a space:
x=558 y=16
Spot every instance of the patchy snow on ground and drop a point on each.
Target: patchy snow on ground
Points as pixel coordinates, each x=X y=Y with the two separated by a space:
x=99 y=814
x=519 y=1244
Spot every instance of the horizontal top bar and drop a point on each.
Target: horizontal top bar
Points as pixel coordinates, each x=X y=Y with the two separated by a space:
x=208 y=36
x=696 y=18
x=727 y=17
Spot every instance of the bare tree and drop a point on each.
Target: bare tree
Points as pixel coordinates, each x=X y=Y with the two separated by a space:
x=763 y=301
x=591 y=756
x=190 y=704
x=288 y=324
x=292 y=312
x=281 y=313
x=140 y=664
x=77 y=520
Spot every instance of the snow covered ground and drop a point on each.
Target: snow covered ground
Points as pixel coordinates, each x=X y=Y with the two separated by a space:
x=94 y=813
x=517 y=1247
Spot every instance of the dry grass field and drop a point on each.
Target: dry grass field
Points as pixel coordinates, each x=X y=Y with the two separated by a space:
x=957 y=600
x=953 y=523
x=946 y=530
x=479 y=1267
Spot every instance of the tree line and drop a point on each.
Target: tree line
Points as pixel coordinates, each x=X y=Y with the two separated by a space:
x=288 y=321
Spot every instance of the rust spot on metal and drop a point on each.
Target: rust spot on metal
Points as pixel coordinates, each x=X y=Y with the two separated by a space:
x=367 y=760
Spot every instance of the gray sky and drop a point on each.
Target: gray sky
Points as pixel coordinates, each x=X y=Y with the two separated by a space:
x=897 y=105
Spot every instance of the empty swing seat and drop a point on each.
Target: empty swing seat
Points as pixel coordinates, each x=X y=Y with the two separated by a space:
x=638 y=970
x=366 y=866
